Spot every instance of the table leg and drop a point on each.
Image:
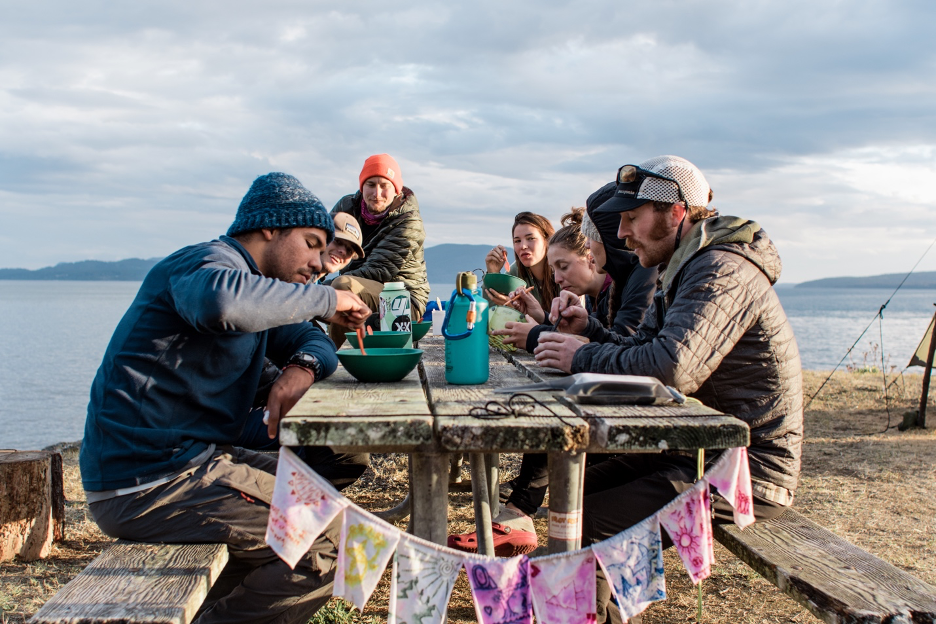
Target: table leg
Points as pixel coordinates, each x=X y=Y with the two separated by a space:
x=492 y=469
x=429 y=496
x=566 y=479
x=482 y=505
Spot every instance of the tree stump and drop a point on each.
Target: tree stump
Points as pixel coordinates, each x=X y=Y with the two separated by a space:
x=32 y=504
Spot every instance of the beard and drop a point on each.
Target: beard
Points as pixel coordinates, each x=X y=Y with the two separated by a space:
x=657 y=248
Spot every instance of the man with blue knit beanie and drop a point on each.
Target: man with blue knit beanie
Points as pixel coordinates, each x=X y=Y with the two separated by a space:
x=173 y=394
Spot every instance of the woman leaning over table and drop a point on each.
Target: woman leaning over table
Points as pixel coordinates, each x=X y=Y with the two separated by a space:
x=617 y=297
x=531 y=233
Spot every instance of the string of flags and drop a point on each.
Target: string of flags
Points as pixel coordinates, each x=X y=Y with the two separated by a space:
x=558 y=589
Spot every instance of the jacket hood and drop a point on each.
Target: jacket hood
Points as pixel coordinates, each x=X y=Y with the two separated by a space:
x=741 y=236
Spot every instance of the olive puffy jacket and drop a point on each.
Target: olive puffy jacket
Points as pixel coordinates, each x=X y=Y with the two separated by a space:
x=716 y=331
x=393 y=249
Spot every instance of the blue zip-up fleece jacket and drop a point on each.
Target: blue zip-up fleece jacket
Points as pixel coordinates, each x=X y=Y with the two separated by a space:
x=182 y=368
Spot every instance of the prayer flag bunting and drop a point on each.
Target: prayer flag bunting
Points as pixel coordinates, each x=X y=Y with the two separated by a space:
x=501 y=589
x=632 y=562
x=366 y=546
x=423 y=576
x=688 y=520
x=731 y=476
x=303 y=505
x=563 y=588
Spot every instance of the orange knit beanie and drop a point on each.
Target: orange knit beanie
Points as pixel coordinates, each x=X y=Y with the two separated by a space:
x=384 y=166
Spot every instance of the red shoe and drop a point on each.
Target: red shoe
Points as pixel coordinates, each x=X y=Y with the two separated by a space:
x=508 y=542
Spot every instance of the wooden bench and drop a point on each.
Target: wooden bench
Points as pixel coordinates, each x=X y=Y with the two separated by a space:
x=835 y=580
x=136 y=582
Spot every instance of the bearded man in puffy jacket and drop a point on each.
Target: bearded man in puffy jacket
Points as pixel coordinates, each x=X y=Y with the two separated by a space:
x=716 y=331
x=393 y=237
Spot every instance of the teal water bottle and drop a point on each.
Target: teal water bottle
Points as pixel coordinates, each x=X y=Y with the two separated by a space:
x=395 y=310
x=465 y=331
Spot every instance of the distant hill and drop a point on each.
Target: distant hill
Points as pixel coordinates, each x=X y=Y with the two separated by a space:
x=442 y=262
x=130 y=270
x=923 y=279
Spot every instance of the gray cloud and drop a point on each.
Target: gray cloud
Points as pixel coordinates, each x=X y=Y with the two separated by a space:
x=131 y=129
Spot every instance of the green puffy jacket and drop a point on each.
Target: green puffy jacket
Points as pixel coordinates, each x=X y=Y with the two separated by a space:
x=393 y=249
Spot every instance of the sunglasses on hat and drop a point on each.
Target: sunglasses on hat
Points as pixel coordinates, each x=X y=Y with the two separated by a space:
x=630 y=174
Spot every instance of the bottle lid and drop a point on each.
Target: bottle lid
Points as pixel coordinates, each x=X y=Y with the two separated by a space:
x=394 y=286
x=467 y=280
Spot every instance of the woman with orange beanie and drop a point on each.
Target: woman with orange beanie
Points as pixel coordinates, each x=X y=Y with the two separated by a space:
x=393 y=237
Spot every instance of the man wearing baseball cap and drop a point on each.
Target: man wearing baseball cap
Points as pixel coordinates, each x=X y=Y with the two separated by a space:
x=715 y=331
x=344 y=248
x=393 y=236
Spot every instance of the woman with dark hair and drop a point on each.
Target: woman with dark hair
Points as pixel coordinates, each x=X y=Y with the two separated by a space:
x=531 y=233
x=578 y=257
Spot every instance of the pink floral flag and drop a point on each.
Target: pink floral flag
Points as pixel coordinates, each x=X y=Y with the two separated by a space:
x=501 y=589
x=563 y=588
x=367 y=543
x=731 y=476
x=632 y=562
x=423 y=577
x=303 y=505
x=688 y=520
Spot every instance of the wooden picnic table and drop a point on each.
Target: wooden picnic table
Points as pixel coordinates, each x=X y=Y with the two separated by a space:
x=428 y=418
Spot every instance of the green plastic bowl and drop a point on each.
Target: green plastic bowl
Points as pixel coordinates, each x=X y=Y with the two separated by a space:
x=420 y=329
x=379 y=365
x=380 y=340
x=504 y=283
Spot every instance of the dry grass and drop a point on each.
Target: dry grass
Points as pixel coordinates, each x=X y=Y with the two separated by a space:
x=874 y=487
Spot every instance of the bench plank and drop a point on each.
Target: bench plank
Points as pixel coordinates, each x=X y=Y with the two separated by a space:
x=136 y=582
x=835 y=580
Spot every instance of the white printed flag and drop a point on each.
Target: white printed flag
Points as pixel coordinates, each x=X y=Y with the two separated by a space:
x=688 y=520
x=731 y=476
x=632 y=562
x=303 y=504
x=366 y=546
x=563 y=588
x=423 y=576
x=500 y=589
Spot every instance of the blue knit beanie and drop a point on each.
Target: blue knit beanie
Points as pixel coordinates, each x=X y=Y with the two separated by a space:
x=278 y=200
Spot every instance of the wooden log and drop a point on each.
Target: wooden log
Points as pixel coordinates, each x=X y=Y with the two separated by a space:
x=837 y=581
x=429 y=492
x=32 y=504
x=134 y=582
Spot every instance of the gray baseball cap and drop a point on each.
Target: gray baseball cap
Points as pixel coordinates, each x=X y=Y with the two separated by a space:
x=663 y=178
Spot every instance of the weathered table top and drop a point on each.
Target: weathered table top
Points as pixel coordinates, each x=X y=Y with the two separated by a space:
x=423 y=413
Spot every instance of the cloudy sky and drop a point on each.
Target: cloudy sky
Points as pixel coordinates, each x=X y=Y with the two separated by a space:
x=130 y=129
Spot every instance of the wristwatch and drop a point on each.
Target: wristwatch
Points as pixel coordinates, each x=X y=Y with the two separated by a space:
x=306 y=360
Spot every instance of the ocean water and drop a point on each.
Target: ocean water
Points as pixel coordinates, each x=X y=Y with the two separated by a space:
x=53 y=336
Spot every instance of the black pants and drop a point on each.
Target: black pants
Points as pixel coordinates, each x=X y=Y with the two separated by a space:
x=531 y=483
x=627 y=489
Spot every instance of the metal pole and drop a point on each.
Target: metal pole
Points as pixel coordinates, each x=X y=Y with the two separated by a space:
x=482 y=505
x=492 y=468
x=921 y=414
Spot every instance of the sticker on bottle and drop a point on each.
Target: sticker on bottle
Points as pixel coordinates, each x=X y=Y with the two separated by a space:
x=565 y=526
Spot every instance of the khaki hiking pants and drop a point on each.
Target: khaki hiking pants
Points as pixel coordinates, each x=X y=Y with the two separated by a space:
x=227 y=500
